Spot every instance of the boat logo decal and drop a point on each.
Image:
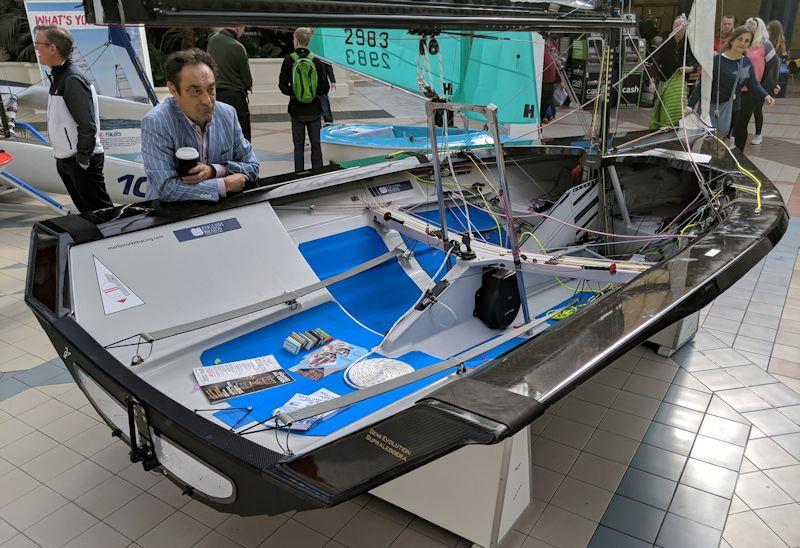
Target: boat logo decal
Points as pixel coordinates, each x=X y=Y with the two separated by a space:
x=209 y=229
x=66 y=353
x=390 y=188
x=115 y=295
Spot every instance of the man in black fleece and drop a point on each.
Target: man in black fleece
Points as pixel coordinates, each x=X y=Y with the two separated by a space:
x=73 y=121
x=306 y=117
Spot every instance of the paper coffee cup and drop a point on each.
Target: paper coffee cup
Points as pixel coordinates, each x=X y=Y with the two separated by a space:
x=187 y=158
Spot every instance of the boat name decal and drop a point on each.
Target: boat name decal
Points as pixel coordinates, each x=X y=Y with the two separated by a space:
x=210 y=229
x=388 y=444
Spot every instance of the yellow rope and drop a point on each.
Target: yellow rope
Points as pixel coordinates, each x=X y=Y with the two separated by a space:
x=532 y=235
x=496 y=222
x=757 y=190
x=485 y=178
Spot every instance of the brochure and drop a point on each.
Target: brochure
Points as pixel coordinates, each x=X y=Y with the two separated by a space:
x=228 y=380
x=298 y=401
x=333 y=357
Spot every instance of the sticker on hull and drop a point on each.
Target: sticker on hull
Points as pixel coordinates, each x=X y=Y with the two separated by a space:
x=116 y=296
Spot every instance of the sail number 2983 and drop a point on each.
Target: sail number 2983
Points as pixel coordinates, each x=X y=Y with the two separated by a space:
x=370 y=39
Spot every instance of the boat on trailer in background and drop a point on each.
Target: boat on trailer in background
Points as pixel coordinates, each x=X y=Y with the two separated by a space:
x=490 y=282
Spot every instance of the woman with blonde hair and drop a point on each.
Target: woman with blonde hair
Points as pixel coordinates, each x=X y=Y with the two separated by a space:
x=765 y=63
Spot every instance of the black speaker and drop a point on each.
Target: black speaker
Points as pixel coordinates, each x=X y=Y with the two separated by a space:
x=497 y=300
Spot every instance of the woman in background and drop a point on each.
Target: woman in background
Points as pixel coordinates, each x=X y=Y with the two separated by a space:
x=776 y=36
x=732 y=69
x=765 y=66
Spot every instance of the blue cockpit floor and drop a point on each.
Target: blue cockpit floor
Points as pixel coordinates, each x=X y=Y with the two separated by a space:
x=376 y=297
x=269 y=340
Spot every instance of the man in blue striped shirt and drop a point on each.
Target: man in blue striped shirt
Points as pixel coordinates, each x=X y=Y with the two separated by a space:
x=192 y=117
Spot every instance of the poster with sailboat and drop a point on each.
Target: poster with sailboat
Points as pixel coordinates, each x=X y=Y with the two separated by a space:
x=111 y=58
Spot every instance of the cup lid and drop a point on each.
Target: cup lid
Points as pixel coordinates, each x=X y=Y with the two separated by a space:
x=187 y=153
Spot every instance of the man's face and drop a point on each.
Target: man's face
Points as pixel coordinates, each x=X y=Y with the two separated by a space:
x=197 y=92
x=678 y=24
x=727 y=25
x=48 y=55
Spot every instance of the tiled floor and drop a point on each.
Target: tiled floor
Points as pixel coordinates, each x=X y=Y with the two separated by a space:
x=699 y=450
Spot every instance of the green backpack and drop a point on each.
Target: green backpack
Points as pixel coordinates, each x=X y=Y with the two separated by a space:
x=304 y=78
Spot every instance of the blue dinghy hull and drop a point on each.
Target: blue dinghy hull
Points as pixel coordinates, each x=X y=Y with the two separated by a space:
x=349 y=142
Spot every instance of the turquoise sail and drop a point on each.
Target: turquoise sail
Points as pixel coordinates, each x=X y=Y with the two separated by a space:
x=479 y=69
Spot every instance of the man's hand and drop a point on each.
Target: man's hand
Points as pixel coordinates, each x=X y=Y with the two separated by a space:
x=235 y=182
x=769 y=100
x=333 y=85
x=687 y=69
x=200 y=172
x=777 y=90
x=83 y=161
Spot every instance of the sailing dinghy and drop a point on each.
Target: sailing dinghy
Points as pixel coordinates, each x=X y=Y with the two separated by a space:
x=306 y=341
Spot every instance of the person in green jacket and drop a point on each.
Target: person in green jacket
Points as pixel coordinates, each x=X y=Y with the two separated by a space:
x=233 y=72
x=670 y=104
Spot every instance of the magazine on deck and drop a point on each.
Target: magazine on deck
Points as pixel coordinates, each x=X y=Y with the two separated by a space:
x=228 y=380
x=333 y=357
x=298 y=401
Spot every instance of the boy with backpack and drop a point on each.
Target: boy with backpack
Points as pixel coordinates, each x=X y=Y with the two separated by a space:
x=303 y=80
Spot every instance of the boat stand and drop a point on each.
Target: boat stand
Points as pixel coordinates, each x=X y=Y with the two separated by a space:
x=477 y=492
x=671 y=339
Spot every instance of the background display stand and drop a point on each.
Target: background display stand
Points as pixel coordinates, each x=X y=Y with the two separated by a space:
x=672 y=338
x=477 y=492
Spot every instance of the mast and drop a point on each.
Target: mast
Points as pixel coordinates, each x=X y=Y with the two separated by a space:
x=119 y=37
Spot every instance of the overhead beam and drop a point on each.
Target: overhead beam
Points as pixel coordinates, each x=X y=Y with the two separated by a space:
x=430 y=15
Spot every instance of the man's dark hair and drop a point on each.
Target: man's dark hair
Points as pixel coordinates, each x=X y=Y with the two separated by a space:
x=59 y=37
x=176 y=61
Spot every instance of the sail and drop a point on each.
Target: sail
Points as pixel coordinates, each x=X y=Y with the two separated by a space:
x=119 y=36
x=124 y=88
x=83 y=67
x=484 y=68
x=700 y=33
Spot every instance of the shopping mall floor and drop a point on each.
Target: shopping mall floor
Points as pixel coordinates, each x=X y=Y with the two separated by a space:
x=699 y=450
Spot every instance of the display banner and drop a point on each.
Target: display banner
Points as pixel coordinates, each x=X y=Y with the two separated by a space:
x=111 y=59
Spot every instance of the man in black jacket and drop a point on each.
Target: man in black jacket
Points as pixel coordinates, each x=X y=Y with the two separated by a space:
x=670 y=57
x=233 y=72
x=73 y=121
x=306 y=117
